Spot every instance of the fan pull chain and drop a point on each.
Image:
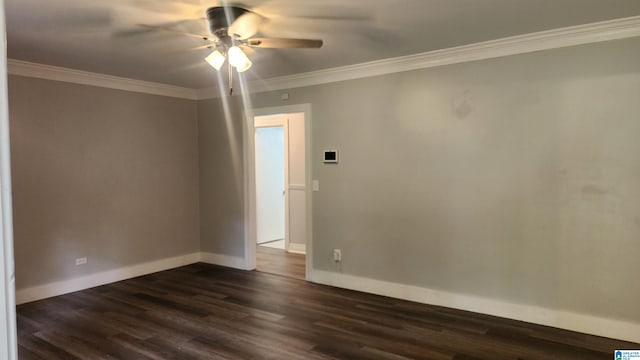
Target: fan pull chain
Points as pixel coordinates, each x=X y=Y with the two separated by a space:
x=230 y=78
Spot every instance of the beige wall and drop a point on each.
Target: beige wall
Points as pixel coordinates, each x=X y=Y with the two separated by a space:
x=99 y=173
x=513 y=179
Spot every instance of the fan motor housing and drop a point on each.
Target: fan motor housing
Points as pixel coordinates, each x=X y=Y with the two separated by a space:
x=221 y=17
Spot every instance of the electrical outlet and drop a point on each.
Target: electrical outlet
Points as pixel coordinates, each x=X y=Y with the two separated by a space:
x=81 y=261
x=337 y=255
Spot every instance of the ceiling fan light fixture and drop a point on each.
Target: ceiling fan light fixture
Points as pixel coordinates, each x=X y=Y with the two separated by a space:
x=215 y=59
x=246 y=66
x=239 y=59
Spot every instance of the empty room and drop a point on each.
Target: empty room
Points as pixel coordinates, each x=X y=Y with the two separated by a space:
x=320 y=179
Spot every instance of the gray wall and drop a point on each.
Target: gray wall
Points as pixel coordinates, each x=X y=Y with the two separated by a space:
x=221 y=177
x=514 y=178
x=107 y=174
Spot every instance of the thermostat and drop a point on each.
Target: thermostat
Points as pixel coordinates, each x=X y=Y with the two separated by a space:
x=331 y=156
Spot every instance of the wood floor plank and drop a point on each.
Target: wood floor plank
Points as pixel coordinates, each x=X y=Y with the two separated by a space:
x=142 y=348
x=280 y=262
x=26 y=354
x=41 y=348
x=203 y=311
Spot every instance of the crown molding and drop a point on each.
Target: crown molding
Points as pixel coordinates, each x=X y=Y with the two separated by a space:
x=208 y=93
x=514 y=45
x=48 y=72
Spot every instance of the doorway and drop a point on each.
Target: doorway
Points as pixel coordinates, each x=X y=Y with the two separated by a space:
x=271 y=184
x=280 y=197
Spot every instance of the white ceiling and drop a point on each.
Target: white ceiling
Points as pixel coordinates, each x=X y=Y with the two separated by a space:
x=102 y=36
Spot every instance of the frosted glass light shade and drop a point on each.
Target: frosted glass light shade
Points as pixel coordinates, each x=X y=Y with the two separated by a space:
x=215 y=59
x=238 y=59
x=246 y=66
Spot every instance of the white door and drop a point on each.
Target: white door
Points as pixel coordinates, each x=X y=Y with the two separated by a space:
x=8 y=342
x=270 y=183
x=296 y=189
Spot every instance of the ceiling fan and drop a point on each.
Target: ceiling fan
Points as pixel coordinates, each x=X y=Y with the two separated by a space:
x=232 y=28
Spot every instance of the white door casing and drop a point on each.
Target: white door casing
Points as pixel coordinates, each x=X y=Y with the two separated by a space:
x=8 y=339
x=304 y=110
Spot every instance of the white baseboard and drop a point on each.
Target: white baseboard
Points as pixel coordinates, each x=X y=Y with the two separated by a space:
x=224 y=260
x=85 y=282
x=583 y=323
x=297 y=248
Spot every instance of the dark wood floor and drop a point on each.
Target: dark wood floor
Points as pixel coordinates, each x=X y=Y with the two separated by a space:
x=280 y=262
x=208 y=312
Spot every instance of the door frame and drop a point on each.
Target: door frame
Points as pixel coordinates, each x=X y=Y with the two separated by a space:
x=250 y=181
x=8 y=335
x=277 y=121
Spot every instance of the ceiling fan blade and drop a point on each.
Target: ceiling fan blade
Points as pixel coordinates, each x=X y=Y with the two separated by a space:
x=248 y=50
x=171 y=30
x=245 y=26
x=276 y=43
x=319 y=10
x=211 y=46
x=321 y=17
